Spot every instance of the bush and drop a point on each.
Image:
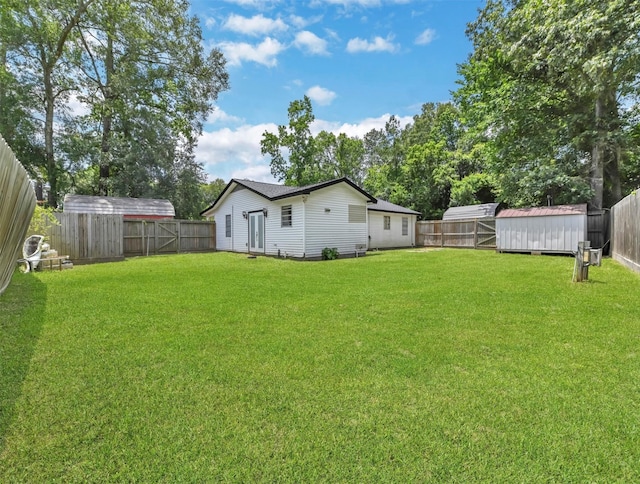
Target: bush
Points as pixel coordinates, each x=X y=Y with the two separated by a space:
x=329 y=254
x=41 y=219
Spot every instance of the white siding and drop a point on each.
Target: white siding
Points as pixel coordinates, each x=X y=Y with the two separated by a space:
x=393 y=238
x=331 y=228
x=286 y=239
x=560 y=233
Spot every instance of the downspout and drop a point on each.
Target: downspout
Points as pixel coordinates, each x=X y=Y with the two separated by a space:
x=304 y=225
x=232 y=224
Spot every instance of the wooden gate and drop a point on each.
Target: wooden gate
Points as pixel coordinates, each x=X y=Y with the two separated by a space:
x=149 y=237
x=469 y=233
x=486 y=233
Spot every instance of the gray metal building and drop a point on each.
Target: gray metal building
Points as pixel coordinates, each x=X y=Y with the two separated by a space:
x=555 y=229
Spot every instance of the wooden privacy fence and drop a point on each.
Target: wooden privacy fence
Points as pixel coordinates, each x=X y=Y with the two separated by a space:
x=471 y=233
x=17 y=202
x=148 y=237
x=625 y=231
x=88 y=238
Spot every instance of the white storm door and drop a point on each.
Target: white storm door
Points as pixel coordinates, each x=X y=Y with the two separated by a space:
x=256 y=232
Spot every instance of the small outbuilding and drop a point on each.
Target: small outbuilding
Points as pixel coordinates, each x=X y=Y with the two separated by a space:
x=554 y=229
x=471 y=212
x=391 y=226
x=129 y=208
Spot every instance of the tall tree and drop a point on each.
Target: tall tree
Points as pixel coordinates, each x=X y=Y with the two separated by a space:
x=39 y=49
x=543 y=87
x=144 y=60
x=297 y=168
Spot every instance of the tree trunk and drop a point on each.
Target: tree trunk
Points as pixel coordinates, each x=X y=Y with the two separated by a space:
x=597 y=155
x=52 y=171
x=105 y=154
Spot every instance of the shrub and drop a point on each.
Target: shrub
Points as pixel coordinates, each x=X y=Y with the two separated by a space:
x=329 y=254
x=41 y=219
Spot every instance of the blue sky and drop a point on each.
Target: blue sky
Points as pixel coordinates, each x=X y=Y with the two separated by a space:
x=359 y=61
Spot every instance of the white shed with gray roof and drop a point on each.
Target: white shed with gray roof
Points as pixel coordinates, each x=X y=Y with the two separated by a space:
x=140 y=208
x=554 y=229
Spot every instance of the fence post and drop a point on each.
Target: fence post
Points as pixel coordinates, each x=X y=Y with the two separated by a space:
x=475 y=233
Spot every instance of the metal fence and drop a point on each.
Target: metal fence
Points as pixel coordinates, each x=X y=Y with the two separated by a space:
x=472 y=233
x=88 y=238
x=17 y=202
x=625 y=231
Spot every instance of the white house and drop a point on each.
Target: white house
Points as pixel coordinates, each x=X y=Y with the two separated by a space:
x=263 y=218
x=391 y=226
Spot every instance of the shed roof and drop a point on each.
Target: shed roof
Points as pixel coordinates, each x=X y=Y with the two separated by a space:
x=554 y=210
x=384 y=206
x=482 y=210
x=118 y=205
x=272 y=191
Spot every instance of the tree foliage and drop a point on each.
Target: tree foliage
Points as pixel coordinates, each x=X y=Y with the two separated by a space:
x=543 y=90
x=298 y=158
x=140 y=70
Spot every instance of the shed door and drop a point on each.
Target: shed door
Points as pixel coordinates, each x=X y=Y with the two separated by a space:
x=256 y=232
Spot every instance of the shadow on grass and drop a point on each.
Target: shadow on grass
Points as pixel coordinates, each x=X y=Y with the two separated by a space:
x=22 y=307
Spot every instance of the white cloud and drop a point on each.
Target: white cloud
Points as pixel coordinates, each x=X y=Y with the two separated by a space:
x=357 y=129
x=377 y=45
x=210 y=22
x=256 y=25
x=259 y=173
x=239 y=145
x=75 y=107
x=219 y=116
x=301 y=22
x=263 y=53
x=426 y=37
x=347 y=3
x=310 y=43
x=252 y=3
x=322 y=96
x=357 y=3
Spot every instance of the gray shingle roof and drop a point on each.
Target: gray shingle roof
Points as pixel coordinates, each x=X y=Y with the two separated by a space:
x=384 y=206
x=271 y=191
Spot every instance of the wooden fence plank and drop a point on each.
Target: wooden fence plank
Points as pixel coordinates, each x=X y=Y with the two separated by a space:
x=472 y=233
x=17 y=203
x=625 y=231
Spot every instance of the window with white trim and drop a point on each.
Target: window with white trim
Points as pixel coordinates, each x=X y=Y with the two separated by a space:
x=227 y=225
x=285 y=216
x=405 y=225
x=387 y=222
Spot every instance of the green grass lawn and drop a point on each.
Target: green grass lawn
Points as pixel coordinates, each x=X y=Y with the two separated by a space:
x=405 y=366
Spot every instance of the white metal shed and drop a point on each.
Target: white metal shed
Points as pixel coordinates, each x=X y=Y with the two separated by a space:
x=555 y=229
